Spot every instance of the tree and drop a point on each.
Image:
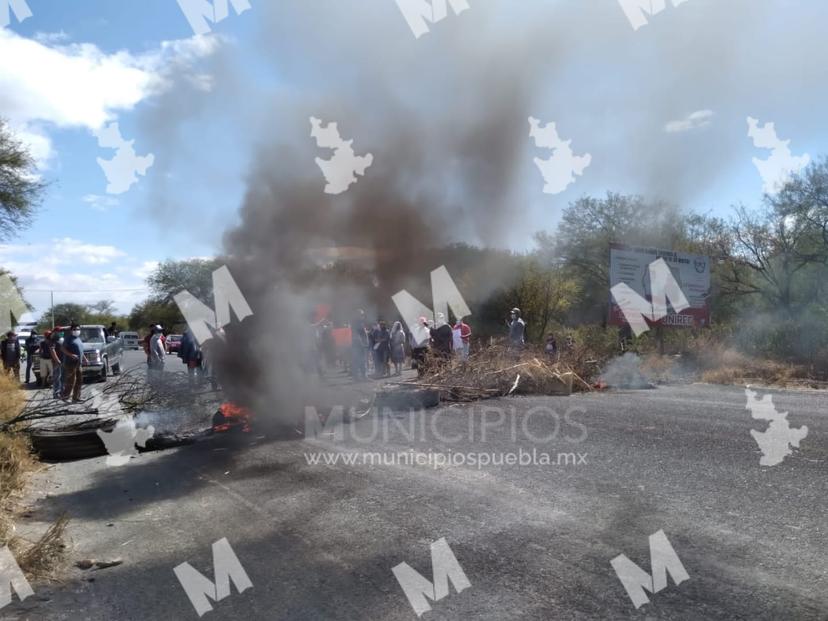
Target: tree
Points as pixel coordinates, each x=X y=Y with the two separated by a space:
x=20 y=188
x=65 y=313
x=194 y=275
x=155 y=311
x=588 y=226
x=103 y=307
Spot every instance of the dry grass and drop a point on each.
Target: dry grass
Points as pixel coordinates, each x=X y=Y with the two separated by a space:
x=731 y=367
x=497 y=371
x=41 y=558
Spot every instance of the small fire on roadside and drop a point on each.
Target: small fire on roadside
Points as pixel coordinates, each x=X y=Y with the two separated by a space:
x=231 y=416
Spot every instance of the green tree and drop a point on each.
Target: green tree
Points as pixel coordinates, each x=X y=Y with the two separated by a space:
x=20 y=188
x=155 y=311
x=194 y=275
x=65 y=313
x=588 y=226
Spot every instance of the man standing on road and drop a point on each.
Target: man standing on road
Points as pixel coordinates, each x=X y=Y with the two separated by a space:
x=156 y=353
x=10 y=353
x=44 y=352
x=57 y=364
x=359 y=346
x=73 y=359
x=31 y=352
x=191 y=356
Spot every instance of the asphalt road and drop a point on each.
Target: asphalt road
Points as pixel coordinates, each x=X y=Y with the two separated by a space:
x=535 y=541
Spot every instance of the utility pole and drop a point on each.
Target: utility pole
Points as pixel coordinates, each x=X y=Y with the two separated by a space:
x=52 y=296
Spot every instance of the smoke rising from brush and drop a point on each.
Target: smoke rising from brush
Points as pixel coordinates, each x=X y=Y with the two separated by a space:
x=445 y=118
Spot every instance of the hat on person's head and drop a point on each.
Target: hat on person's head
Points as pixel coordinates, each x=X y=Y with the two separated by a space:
x=10 y=333
x=515 y=310
x=74 y=325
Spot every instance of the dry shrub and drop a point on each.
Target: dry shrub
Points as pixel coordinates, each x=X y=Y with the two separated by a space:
x=11 y=398
x=492 y=372
x=16 y=460
x=720 y=365
x=41 y=558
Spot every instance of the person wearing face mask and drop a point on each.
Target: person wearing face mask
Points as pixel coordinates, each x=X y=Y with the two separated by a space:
x=73 y=359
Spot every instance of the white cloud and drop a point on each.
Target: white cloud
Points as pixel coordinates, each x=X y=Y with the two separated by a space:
x=100 y=203
x=80 y=86
x=695 y=120
x=146 y=268
x=61 y=251
x=75 y=271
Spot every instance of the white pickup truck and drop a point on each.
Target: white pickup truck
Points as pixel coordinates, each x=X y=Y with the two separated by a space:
x=103 y=353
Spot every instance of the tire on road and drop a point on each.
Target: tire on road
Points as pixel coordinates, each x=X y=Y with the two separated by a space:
x=104 y=369
x=65 y=445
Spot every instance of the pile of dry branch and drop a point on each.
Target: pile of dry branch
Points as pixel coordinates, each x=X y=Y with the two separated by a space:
x=499 y=371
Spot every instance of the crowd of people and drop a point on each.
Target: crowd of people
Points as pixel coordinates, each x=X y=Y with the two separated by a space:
x=375 y=345
x=61 y=360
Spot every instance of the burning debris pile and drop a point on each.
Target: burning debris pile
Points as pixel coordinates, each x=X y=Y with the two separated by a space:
x=499 y=371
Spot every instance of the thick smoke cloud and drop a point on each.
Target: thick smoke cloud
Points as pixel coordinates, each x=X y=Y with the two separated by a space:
x=445 y=117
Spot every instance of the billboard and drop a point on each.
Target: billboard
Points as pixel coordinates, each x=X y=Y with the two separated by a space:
x=630 y=265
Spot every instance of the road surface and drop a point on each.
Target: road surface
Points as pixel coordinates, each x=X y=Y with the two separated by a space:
x=535 y=541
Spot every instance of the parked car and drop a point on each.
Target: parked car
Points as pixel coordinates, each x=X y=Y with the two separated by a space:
x=130 y=340
x=103 y=354
x=173 y=344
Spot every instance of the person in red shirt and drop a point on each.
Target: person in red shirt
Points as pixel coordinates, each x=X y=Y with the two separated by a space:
x=465 y=335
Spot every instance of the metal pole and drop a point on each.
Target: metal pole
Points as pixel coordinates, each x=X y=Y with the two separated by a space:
x=52 y=296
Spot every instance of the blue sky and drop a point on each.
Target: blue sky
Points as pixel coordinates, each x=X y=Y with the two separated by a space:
x=203 y=106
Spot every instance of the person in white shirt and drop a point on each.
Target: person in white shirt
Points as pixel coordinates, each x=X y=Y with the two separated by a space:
x=156 y=353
